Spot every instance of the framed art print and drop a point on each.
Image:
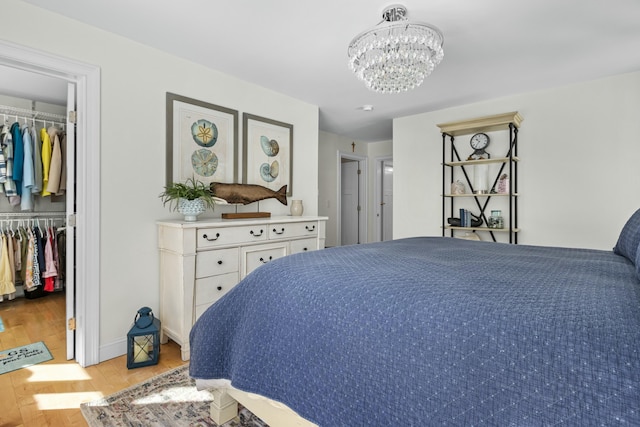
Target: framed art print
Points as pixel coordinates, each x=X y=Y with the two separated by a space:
x=202 y=141
x=268 y=152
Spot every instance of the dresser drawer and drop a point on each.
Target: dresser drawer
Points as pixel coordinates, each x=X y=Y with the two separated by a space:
x=228 y=236
x=211 y=289
x=290 y=230
x=219 y=261
x=303 y=245
x=255 y=256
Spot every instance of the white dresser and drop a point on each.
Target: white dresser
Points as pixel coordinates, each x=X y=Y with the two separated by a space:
x=201 y=261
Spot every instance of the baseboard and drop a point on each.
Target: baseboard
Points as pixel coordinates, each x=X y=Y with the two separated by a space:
x=114 y=349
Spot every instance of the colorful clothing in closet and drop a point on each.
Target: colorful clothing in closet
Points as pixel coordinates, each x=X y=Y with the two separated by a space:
x=7 y=286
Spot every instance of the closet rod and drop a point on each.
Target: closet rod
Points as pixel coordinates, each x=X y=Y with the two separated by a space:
x=32 y=114
x=5 y=215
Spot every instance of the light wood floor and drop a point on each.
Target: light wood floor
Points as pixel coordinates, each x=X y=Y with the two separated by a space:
x=50 y=393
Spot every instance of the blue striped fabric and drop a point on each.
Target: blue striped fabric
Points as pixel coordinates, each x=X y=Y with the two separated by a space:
x=434 y=331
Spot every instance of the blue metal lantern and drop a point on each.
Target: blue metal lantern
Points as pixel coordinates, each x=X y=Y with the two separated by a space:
x=143 y=340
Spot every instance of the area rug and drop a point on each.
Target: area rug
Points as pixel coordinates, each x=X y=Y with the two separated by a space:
x=169 y=399
x=21 y=357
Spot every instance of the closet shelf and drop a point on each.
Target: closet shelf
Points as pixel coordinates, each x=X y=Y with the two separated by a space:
x=31 y=114
x=5 y=215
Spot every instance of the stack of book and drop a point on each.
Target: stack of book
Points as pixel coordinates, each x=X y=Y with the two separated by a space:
x=465 y=218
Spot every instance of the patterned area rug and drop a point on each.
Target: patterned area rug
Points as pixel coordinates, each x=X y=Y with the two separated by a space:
x=169 y=399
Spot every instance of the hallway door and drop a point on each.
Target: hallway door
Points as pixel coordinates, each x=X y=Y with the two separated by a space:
x=349 y=205
x=386 y=208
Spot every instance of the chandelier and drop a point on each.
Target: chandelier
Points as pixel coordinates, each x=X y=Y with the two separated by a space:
x=397 y=54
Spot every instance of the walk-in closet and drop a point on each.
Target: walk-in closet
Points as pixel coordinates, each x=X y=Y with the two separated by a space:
x=34 y=193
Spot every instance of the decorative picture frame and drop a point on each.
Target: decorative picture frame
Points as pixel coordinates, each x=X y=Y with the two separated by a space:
x=202 y=141
x=267 y=152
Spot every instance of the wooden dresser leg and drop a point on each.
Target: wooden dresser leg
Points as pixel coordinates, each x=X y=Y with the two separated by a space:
x=223 y=407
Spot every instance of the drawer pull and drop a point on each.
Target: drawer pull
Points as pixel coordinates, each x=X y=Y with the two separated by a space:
x=263 y=261
x=256 y=235
x=220 y=262
x=304 y=249
x=312 y=228
x=211 y=239
x=219 y=288
x=279 y=232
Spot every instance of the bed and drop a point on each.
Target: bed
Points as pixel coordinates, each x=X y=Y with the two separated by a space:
x=432 y=331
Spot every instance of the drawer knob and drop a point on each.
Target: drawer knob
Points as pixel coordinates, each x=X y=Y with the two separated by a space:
x=262 y=260
x=220 y=262
x=312 y=228
x=211 y=239
x=219 y=288
x=279 y=232
x=304 y=249
x=255 y=234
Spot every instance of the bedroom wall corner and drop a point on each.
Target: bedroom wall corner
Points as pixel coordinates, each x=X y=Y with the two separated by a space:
x=578 y=146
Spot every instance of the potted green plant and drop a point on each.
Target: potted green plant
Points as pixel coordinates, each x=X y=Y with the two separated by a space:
x=190 y=198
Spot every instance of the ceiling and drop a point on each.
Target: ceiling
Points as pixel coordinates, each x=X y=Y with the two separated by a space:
x=493 y=48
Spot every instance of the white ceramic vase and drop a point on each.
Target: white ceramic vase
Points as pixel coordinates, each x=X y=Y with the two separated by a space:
x=296 y=207
x=191 y=208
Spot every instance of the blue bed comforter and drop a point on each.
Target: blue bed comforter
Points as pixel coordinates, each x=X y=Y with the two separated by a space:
x=434 y=331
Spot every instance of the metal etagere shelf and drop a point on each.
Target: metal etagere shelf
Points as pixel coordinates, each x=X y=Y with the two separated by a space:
x=451 y=159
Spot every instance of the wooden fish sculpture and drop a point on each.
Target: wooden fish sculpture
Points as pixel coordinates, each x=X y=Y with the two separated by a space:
x=247 y=193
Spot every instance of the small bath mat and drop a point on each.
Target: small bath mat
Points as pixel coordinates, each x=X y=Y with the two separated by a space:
x=21 y=357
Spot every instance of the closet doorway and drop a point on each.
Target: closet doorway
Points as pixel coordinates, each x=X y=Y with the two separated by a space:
x=352 y=202
x=82 y=82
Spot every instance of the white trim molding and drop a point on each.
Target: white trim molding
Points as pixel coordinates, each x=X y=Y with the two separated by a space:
x=87 y=278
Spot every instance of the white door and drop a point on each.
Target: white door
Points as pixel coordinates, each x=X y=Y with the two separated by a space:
x=350 y=214
x=70 y=283
x=386 y=208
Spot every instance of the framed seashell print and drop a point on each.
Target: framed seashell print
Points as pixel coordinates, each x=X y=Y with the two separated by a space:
x=202 y=141
x=267 y=152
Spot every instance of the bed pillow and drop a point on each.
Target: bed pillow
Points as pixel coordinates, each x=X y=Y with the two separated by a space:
x=629 y=239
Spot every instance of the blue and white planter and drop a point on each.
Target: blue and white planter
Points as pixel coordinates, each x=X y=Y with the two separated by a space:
x=191 y=208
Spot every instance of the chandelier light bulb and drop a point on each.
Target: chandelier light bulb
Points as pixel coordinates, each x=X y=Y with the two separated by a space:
x=397 y=54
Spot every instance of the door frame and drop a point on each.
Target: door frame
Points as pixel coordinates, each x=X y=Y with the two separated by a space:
x=362 y=197
x=87 y=216
x=377 y=191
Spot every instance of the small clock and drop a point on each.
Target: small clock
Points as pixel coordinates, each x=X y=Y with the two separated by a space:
x=479 y=142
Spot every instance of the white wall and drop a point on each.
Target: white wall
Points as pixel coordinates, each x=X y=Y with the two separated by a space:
x=328 y=148
x=578 y=176
x=134 y=83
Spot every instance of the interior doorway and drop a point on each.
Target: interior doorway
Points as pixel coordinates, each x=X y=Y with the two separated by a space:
x=84 y=218
x=352 y=189
x=384 y=198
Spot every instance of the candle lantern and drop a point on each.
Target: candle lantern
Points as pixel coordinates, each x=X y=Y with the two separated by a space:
x=143 y=340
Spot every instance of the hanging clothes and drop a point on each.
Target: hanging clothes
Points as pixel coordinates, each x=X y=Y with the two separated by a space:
x=3 y=162
x=62 y=188
x=31 y=258
x=7 y=286
x=51 y=272
x=18 y=156
x=37 y=160
x=32 y=166
x=26 y=198
x=55 y=167
x=46 y=160
x=9 y=184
